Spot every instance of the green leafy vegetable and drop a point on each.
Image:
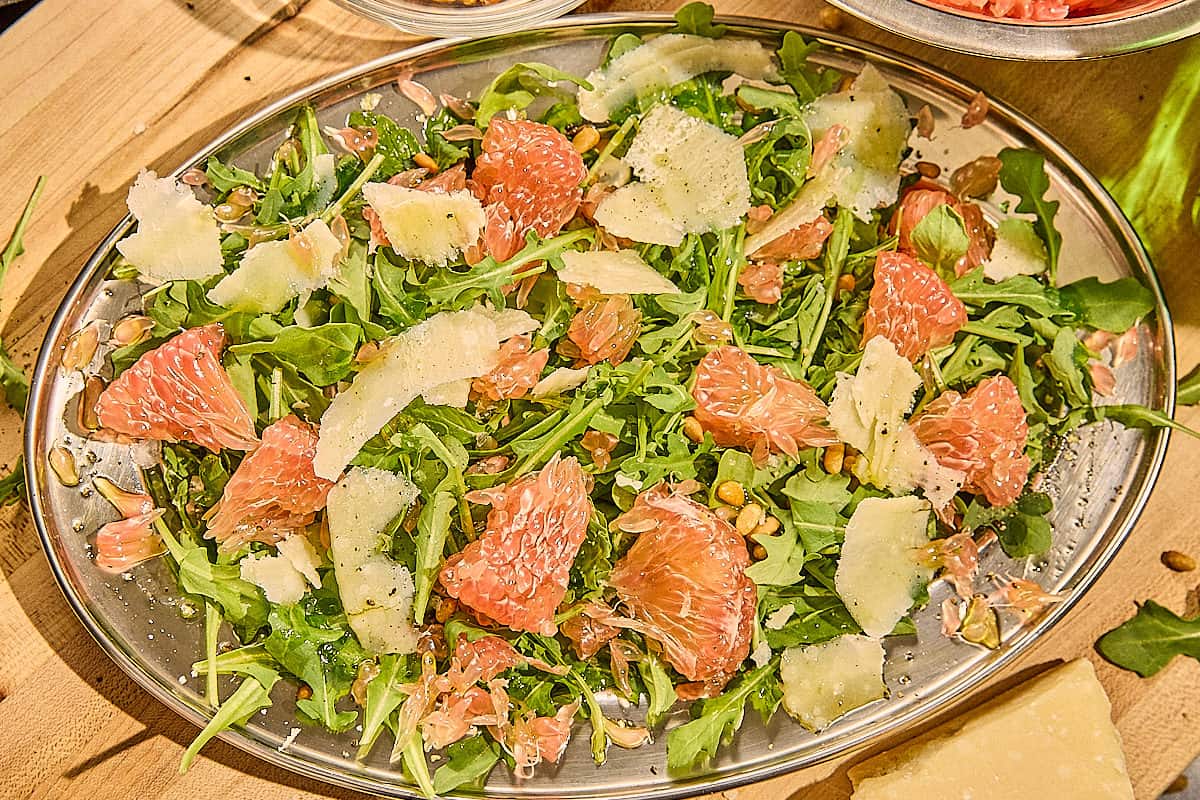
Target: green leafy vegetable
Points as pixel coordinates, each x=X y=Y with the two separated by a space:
x=325 y=658
x=695 y=742
x=1022 y=528
x=1023 y=172
x=519 y=85
x=324 y=354
x=1138 y=416
x=383 y=697
x=696 y=19
x=1150 y=639
x=809 y=82
x=1115 y=306
x=940 y=239
x=250 y=697
x=468 y=762
x=1187 y=392
x=12 y=485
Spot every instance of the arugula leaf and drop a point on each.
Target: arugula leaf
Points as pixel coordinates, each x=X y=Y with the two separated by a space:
x=940 y=239
x=818 y=615
x=353 y=281
x=225 y=178
x=242 y=602
x=250 y=697
x=12 y=485
x=1022 y=528
x=383 y=697
x=519 y=85
x=809 y=82
x=660 y=691
x=1187 y=390
x=1115 y=307
x=696 y=19
x=324 y=658
x=784 y=561
x=184 y=304
x=396 y=145
x=1022 y=290
x=443 y=151
x=1067 y=363
x=13 y=382
x=1148 y=641
x=16 y=240
x=697 y=741
x=468 y=762
x=1023 y=172
x=324 y=354
x=251 y=660
x=433 y=526
x=1132 y=415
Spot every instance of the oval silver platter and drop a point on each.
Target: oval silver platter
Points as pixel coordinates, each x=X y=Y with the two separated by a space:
x=1100 y=481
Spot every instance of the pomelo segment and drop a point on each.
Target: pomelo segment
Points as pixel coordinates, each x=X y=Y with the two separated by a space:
x=179 y=392
x=911 y=306
x=274 y=491
x=177 y=236
x=684 y=582
x=272 y=273
x=517 y=571
x=376 y=592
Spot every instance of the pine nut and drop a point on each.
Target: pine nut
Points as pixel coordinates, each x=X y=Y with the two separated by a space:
x=693 y=430
x=731 y=492
x=587 y=138
x=749 y=518
x=834 y=458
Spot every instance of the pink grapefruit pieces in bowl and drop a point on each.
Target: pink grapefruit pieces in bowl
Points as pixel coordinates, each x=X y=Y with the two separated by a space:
x=758 y=408
x=516 y=572
x=911 y=306
x=179 y=392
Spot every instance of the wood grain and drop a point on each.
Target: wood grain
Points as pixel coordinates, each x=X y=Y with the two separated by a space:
x=92 y=92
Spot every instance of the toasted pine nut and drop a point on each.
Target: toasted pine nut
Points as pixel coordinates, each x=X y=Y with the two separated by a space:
x=749 y=518
x=768 y=527
x=731 y=492
x=587 y=138
x=727 y=513
x=834 y=458
x=426 y=162
x=846 y=283
x=1177 y=561
x=693 y=430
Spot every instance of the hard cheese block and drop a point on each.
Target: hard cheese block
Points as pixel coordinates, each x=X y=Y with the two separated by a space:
x=1051 y=738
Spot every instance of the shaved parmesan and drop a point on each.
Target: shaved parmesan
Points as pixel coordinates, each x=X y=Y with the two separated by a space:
x=272 y=273
x=878 y=123
x=868 y=411
x=563 y=379
x=447 y=347
x=665 y=61
x=280 y=581
x=376 y=592
x=325 y=177
x=433 y=227
x=613 y=272
x=878 y=574
x=692 y=180
x=805 y=207
x=454 y=394
x=303 y=556
x=821 y=682
x=177 y=236
x=1018 y=251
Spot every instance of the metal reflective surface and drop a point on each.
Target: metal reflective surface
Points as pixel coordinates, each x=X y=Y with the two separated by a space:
x=1101 y=480
x=1151 y=25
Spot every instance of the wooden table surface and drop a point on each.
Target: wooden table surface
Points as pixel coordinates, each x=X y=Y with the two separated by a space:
x=92 y=91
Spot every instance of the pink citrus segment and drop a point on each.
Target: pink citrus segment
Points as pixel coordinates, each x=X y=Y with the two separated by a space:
x=759 y=408
x=911 y=306
x=516 y=373
x=802 y=243
x=982 y=434
x=123 y=544
x=762 y=282
x=179 y=392
x=604 y=328
x=529 y=178
x=1037 y=10
x=925 y=197
x=587 y=633
x=684 y=583
x=516 y=573
x=274 y=491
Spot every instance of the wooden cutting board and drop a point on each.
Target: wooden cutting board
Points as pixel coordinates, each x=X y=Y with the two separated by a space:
x=91 y=92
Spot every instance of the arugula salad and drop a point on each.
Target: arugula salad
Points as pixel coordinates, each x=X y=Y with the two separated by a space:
x=677 y=382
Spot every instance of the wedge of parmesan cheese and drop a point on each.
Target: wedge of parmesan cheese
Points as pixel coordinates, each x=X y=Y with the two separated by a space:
x=692 y=180
x=376 y=592
x=433 y=227
x=454 y=394
x=878 y=124
x=303 y=556
x=868 y=412
x=563 y=379
x=272 y=273
x=821 y=682
x=613 y=272
x=1018 y=251
x=280 y=581
x=878 y=574
x=805 y=207
x=1050 y=738
x=177 y=236
x=449 y=346
x=665 y=61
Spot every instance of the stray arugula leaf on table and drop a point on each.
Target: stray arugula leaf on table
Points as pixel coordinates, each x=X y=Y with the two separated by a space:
x=1149 y=640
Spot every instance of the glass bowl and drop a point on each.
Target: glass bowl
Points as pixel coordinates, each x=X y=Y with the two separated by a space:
x=1136 y=26
x=447 y=18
